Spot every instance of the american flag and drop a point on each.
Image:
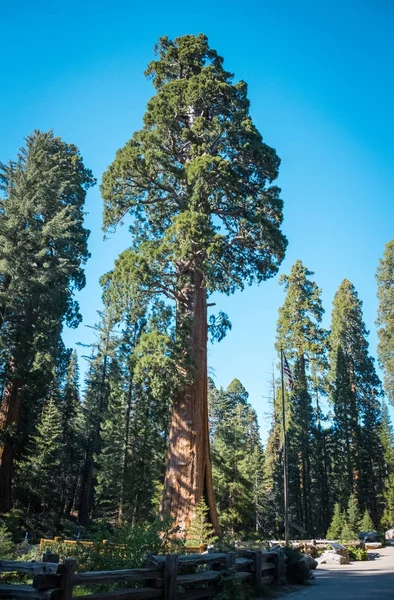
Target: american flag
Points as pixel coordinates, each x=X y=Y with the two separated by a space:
x=287 y=372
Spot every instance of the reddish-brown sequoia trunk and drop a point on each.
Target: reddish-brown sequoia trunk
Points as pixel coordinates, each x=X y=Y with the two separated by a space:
x=10 y=413
x=188 y=473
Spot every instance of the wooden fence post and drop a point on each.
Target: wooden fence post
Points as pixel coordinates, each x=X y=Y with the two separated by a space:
x=69 y=566
x=50 y=557
x=258 y=567
x=41 y=582
x=280 y=566
x=230 y=560
x=170 y=576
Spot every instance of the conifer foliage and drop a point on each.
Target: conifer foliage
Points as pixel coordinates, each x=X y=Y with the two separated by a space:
x=385 y=320
x=336 y=526
x=41 y=471
x=302 y=338
x=198 y=180
x=146 y=434
x=201 y=530
x=238 y=460
x=355 y=391
x=43 y=247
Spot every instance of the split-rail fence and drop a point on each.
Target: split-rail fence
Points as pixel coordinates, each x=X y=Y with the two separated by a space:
x=170 y=577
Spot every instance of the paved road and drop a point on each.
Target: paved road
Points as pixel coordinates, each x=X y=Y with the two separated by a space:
x=373 y=579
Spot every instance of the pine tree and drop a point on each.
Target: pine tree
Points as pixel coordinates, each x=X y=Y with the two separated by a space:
x=336 y=526
x=355 y=390
x=129 y=463
x=94 y=408
x=388 y=512
x=198 y=161
x=238 y=462
x=109 y=461
x=155 y=381
x=385 y=320
x=387 y=441
x=301 y=337
x=40 y=473
x=6 y=543
x=353 y=516
x=273 y=480
x=71 y=409
x=387 y=438
x=201 y=530
x=273 y=469
x=366 y=522
x=43 y=247
x=348 y=534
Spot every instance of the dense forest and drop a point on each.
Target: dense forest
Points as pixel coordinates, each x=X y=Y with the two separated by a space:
x=148 y=434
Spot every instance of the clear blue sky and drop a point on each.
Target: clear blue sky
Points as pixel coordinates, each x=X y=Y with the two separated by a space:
x=321 y=85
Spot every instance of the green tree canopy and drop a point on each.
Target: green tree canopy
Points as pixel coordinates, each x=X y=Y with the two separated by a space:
x=43 y=247
x=301 y=336
x=355 y=391
x=385 y=320
x=197 y=181
x=338 y=520
x=366 y=522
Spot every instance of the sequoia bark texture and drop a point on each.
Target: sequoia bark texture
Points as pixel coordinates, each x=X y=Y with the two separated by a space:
x=189 y=472
x=10 y=412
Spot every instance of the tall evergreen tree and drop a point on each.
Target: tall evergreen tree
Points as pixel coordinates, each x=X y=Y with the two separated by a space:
x=301 y=336
x=273 y=478
x=198 y=177
x=95 y=407
x=238 y=462
x=109 y=460
x=385 y=320
x=353 y=516
x=72 y=437
x=366 y=522
x=387 y=441
x=388 y=511
x=40 y=472
x=336 y=526
x=355 y=390
x=43 y=246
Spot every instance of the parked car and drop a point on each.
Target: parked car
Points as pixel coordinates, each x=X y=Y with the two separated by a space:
x=369 y=536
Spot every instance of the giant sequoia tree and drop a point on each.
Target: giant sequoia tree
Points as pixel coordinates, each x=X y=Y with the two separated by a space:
x=43 y=246
x=385 y=321
x=197 y=181
x=355 y=390
x=301 y=336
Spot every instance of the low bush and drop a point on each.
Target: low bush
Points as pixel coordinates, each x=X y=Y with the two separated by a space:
x=126 y=547
x=297 y=569
x=6 y=543
x=357 y=553
x=232 y=588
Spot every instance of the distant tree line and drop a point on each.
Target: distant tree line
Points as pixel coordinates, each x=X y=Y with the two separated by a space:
x=343 y=454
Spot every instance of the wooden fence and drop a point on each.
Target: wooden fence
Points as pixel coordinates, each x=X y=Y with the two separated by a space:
x=170 y=577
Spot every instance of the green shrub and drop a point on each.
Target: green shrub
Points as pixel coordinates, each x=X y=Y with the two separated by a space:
x=297 y=570
x=6 y=543
x=357 y=553
x=225 y=543
x=232 y=588
x=126 y=547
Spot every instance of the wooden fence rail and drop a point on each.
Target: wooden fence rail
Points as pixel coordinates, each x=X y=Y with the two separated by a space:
x=170 y=577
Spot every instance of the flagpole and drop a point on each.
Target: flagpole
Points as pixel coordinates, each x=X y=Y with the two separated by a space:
x=284 y=454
